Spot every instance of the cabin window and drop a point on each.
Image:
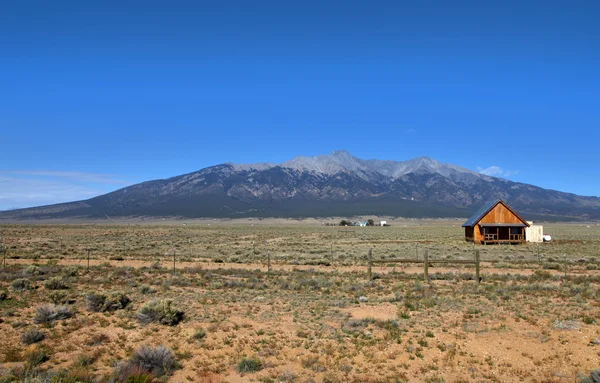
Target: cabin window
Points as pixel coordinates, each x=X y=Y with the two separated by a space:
x=515 y=230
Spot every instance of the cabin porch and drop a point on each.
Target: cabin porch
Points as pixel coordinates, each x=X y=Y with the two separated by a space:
x=502 y=233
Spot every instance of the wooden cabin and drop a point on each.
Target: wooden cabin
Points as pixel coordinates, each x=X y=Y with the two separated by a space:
x=495 y=222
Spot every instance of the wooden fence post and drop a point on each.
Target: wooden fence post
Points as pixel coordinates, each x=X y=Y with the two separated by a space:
x=426 y=265
x=370 y=260
x=5 y=248
x=565 y=256
x=2 y=252
x=173 y=262
x=539 y=254
x=331 y=252
x=88 y=260
x=268 y=262
x=417 y=250
x=477 y=259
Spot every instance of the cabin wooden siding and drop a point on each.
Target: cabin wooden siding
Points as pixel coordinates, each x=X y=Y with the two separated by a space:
x=498 y=214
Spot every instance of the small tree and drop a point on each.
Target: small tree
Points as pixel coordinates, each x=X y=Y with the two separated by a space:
x=370 y=222
x=343 y=223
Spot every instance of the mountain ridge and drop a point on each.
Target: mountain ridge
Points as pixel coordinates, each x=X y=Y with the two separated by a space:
x=337 y=184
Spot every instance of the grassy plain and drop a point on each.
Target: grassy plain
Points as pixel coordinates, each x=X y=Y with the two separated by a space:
x=314 y=318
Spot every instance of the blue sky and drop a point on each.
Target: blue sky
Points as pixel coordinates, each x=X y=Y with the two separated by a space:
x=99 y=95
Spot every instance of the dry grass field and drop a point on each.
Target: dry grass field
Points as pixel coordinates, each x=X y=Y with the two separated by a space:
x=220 y=317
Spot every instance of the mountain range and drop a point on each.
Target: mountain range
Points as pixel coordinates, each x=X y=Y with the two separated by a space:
x=337 y=184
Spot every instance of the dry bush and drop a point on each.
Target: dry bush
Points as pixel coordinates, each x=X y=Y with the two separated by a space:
x=21 y=284
x=55 y=283
x=97 y=302
x=59 y=297
x=147 y=362
x=248 y=365
x=126 y=373
x=31 y=336
x=145 y=289
x=160 y=311
x=49 y=313
x=97 y=339
x=34 y=355
x=33 y=270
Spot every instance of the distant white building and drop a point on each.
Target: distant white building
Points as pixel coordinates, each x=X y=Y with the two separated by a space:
x=534 y=233
x=383 y=223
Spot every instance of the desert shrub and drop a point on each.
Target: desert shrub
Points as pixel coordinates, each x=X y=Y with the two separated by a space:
x=100 y=302
x=84 y=360
x=55 y=283
x=97 y=339
x=158 y=361
x=146 y=363
x=71 y=271
x=126 y=373
x=287 y=376
x=552 y=266
x=588 y=320
x=156 y=265
x=74 y=375
x=48 y=313
x=593 y=377
x=33 y=270
x=567 y=325
x=313 y=362
x=35 y=356
x=29 y=374
x=248 y=365
x=160 y=311
x=541 y=275
x=11 y=353
x=31 y=336
x=145 y=289
x=21 y=284
x=59 y=297
x=3 y=296
x=198 y=335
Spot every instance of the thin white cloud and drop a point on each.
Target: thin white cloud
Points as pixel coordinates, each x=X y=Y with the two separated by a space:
x=410 y=131
x=76 y=176
x=27 y=188
x=497 y=171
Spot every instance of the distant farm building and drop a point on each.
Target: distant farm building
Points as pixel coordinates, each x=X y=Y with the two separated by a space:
x=383 y=223
x=495 y=222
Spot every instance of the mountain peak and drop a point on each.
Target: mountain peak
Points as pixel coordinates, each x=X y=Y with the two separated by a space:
x=341 y=153
x=424 y=163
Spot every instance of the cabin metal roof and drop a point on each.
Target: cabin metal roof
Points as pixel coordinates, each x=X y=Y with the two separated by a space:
x=480 y=213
